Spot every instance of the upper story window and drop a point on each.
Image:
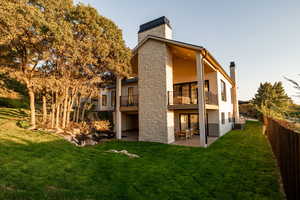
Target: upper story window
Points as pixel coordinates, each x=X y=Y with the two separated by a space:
x=104 y=100
x=130 y=95
x=223 y=118
x=223 y=91
x=113 y=98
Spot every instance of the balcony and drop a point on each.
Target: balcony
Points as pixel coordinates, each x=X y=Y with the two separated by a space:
x=129 y=103
x=179 y=101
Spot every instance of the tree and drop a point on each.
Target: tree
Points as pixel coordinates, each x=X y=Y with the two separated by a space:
x=271 y=100
x=26 y=37
x=60 y=51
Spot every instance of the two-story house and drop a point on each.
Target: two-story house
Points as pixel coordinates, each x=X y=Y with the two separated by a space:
x=178 y=92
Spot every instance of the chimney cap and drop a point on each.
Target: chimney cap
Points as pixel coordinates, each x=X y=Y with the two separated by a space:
x=232 y=64
x=154 y=23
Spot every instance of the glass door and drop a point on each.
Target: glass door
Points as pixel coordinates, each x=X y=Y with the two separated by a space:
x=185 y=89
x=194 y=93
x=194 y=121
x=184 y=122
x=189 y=121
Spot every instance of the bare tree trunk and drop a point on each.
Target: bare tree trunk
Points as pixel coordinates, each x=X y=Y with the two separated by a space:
x=84 y=107
x=57 y=115
x=82 y=113
x=78 y=109
x=265 y=123
x=74 y=114
x=32 y=108
x=44 y=109
x=70 y=106
x=53 y=111
x=64 y=118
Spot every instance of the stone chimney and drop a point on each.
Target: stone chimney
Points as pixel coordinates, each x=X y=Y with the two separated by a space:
x=234 y=97
x=232 y=71
x=159 y=27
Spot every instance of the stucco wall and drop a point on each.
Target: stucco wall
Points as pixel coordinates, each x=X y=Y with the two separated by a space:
x=184 y=70
x=156 y=123
x=213 y=81
x=224 y=106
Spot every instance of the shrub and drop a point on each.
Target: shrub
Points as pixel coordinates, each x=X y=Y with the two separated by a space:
x=103 y=125
x=23 y=124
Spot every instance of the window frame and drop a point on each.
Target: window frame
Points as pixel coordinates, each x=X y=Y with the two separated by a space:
x=113 y=98
x=223 y=91
x=189 y=120
x=222 y=117
x=104 y=103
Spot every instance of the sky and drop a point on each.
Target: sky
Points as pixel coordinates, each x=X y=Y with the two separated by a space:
x=261 y=36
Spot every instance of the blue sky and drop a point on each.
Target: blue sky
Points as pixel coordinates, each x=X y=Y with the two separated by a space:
x=261 y=36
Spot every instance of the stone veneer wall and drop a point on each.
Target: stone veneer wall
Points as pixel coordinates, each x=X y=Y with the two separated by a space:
x=156 y=122
x=163 y=31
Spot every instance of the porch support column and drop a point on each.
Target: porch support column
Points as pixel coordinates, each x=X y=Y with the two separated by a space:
x=118 y=122
x=201 y=100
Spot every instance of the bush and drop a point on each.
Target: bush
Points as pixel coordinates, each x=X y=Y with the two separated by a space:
x=13 y=103
x=23 y=124
x=103 y=125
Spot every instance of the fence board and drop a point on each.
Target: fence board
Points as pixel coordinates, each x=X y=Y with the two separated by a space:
x=285 y=144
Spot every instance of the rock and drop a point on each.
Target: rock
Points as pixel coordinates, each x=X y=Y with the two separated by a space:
x=125 y=152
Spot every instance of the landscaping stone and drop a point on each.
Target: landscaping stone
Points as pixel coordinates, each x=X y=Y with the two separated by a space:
x=125 y=152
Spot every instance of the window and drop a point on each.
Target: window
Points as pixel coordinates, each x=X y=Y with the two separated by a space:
x=113 y=98
x=229 y=117
x=185 y=93
x=130 y=95
x=223 y=90
x=104 y=100
x=223 y=117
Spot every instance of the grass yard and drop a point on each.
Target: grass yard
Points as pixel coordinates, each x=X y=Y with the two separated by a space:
x=37 y=165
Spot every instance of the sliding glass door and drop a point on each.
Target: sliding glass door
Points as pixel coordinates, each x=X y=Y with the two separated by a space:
x=189 y=121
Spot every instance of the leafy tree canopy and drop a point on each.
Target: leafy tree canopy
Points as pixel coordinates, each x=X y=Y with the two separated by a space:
x=271 y=100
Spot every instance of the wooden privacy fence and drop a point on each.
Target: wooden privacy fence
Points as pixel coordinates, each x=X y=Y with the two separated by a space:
x=286 y=147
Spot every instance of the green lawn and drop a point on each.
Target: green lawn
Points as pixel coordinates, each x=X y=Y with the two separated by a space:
x=37 y=165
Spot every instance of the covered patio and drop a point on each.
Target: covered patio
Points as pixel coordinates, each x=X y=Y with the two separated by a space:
x=194 y=141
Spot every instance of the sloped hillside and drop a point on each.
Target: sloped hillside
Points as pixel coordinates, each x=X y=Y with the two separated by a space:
x=12 y=92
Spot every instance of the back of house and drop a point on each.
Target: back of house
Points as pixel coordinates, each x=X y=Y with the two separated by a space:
x=177 y=93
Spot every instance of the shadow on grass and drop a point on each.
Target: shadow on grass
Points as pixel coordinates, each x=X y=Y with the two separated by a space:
x=13 y=84
x=8 y=113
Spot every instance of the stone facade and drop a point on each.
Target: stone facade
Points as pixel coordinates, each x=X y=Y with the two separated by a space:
x=163 y=31
x=156 y=122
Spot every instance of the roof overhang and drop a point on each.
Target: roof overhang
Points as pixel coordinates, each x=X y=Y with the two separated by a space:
x=207 y=56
